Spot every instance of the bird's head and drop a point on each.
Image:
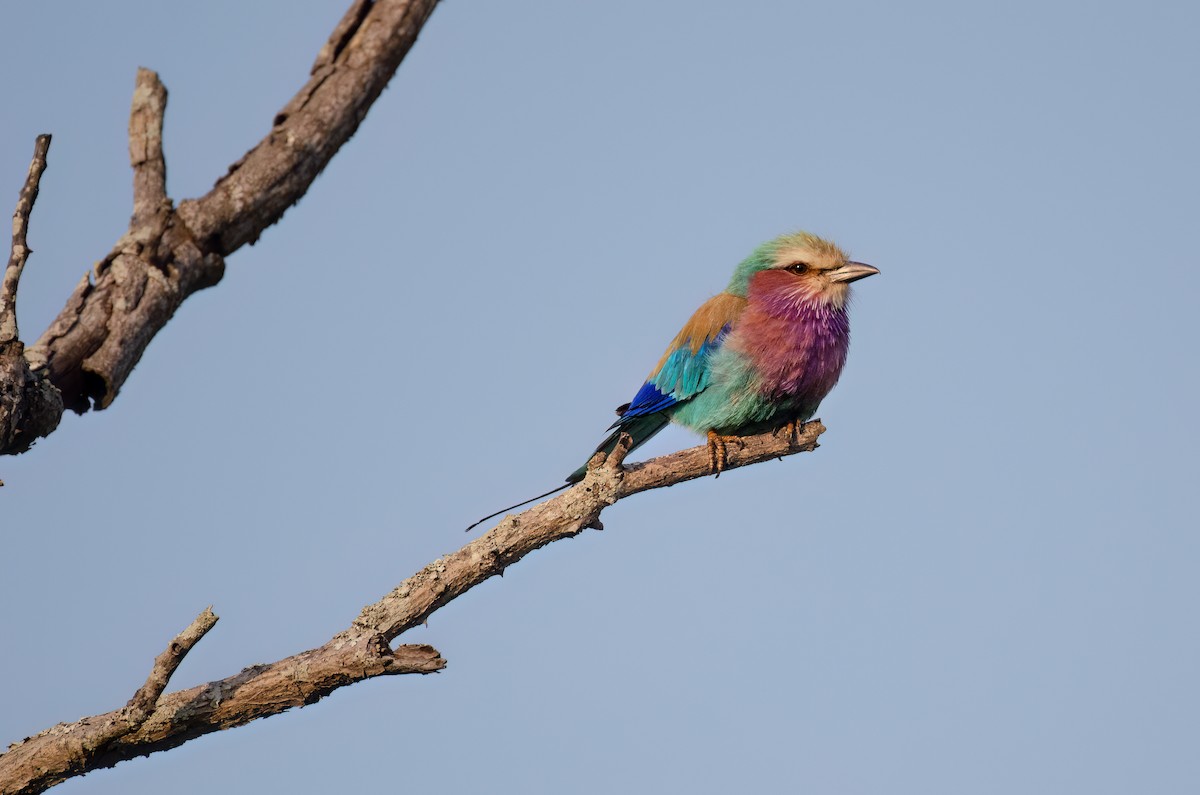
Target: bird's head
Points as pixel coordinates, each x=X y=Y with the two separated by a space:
x=800 y=266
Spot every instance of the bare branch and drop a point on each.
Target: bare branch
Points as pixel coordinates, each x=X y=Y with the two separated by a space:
x=20 y=249
x=30 y=407
x=167 y=254
x=350 y=22
x=362 y=650
x=151 y=722
x=66 y=750
x=147 y=696
x=350 y=72
x=564 y=516
x=72 y=749
x=694 y=462
x=146 y=147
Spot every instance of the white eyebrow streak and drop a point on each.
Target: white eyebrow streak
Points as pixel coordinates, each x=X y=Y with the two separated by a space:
x=820 y=260
x=790 y=256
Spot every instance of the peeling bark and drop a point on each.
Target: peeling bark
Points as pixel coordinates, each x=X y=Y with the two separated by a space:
x=168 y=253
x=30 y=407
x=362 y=650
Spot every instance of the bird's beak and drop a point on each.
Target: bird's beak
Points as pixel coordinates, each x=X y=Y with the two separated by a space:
x=851 y=272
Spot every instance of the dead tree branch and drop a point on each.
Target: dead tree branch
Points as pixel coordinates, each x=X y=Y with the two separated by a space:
x=146 y=149
x=168 y=252
x=20 y=248
x=564 y=516
x=33 y=766
x=362 y=650
x=147 y=696
x=27 y=403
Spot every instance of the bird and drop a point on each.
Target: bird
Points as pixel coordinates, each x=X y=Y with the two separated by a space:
x=759 y=356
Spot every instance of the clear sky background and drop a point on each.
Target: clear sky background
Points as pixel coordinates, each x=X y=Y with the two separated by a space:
x=985 y=580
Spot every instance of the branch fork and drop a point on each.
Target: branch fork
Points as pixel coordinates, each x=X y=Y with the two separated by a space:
x=153 y=722
x=170 y=252
x=30 y=406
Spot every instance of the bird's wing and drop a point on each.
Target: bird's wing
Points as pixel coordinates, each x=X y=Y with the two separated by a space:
x=683 y=371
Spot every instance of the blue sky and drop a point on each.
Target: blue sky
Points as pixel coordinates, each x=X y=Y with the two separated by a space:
x=985 y=579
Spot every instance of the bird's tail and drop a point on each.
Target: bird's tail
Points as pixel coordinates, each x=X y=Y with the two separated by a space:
x=639 y=429
x=518 y=505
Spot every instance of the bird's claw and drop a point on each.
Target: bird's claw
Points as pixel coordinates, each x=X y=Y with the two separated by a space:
x=791 y=430
x=718 y=452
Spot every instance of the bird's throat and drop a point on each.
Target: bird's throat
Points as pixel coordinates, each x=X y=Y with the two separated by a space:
x=796 y=342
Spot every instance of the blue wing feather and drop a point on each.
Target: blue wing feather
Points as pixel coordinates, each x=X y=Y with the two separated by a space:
x=683 y=375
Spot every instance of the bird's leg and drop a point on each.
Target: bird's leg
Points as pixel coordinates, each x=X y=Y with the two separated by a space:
x=718 y=454
x=791 y=429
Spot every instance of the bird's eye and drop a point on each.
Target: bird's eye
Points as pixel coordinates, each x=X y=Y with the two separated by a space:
x=798 y=267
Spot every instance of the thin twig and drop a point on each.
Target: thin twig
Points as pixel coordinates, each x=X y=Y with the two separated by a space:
x=362 y=650
x=146 y=146
x=169 y=252
x=515 y=536
x=145 y=699
x=20 y=249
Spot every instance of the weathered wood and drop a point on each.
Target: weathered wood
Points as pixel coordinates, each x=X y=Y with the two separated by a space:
x=168 y=253
x=72 y=749
x=566 y=515
x=29 y=406
x=362 y=650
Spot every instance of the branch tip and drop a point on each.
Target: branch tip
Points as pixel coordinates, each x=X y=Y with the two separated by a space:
x=19 y=252
x=417 y=658
x=147 y=696
x=617 y=456
x=146 y=114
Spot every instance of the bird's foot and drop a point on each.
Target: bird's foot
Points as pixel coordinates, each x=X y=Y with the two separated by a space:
x=718 y=452
x=791 y=430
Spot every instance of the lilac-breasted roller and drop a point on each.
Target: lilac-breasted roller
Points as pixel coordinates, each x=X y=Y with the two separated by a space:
x=761 y=355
